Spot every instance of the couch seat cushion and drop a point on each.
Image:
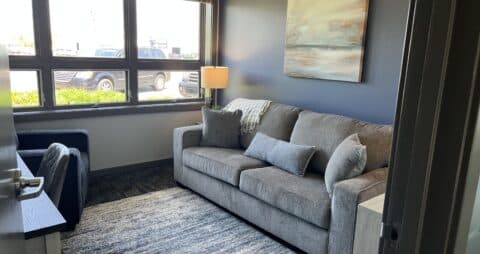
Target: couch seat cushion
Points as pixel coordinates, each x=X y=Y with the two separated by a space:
x=305 y=197
x=221 y=163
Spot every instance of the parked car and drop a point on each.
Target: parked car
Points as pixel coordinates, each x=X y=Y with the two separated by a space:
x=109 y=52
x=114 y=80
x=189 y=86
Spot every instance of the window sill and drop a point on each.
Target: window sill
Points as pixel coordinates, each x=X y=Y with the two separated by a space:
x=61 y=114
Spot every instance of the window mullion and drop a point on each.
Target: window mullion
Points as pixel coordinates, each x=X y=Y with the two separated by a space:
x=131 y=53
x=43 y=42
x=202 y=38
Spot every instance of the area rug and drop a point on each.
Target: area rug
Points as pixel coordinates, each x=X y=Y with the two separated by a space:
x=169 y=221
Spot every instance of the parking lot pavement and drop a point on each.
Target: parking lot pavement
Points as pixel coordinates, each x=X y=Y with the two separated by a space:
x=23 y=81
x=171 y=89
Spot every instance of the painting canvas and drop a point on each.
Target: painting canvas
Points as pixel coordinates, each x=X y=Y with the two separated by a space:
x=325 y=39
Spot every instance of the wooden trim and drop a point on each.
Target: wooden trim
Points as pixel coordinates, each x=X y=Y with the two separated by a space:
x=82 y=112
x=120 y=170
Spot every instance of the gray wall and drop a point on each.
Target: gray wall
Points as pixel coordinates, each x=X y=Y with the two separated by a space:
x=253 y=47
x=125 y=140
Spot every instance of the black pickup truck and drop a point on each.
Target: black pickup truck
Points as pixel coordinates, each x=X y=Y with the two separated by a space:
x=189 y=86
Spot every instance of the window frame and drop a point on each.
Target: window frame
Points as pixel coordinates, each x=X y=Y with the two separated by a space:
x=45 y=63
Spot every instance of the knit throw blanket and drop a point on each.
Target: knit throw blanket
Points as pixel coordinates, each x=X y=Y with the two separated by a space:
x=252 y=112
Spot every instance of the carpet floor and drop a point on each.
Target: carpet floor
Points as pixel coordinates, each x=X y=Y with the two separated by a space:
x=117 y=186
x=174 y=220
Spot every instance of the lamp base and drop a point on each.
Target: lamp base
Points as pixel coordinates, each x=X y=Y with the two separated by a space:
x=215 y=99
x=211 y=99
x=207 y=95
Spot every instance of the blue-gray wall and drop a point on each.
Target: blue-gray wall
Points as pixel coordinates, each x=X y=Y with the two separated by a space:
x=253 y=42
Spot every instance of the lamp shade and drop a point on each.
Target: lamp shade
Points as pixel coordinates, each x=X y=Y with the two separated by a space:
x=214 y=77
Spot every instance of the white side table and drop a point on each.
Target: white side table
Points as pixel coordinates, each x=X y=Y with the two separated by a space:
x=367 y=228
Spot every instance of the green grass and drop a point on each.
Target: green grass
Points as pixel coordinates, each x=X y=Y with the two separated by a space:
x=69 y=96
x=25 y=99
x=72 y=96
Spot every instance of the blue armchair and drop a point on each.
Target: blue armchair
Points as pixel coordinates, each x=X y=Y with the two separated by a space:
x=32 y=145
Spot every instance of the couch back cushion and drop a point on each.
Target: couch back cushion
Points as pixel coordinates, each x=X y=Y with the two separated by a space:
x=277 y=122
x=326 y=132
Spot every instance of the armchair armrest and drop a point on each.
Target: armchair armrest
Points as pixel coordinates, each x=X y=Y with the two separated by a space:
x=32 y=158
x=75 y=185
x=74 y=190
x=41 y=139
x=184 y=137
x=347 y=195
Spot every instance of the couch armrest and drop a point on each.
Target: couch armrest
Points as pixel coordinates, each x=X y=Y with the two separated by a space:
x=347 y=195
x=184 y=137
x=41 y=139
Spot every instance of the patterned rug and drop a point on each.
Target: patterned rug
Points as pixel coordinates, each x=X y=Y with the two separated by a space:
x=168 y=221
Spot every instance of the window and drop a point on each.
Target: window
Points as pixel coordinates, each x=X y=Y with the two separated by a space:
x=19 y=37
x=89 y=87
x=167 y=85
x=168 y=29
x=102 y=54
x=87 y=28
x=24 y=86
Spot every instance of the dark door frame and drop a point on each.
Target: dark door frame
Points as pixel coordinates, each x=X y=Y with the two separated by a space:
x=434 y=125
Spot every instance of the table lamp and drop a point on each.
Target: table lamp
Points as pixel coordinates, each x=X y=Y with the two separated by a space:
x=214 y=77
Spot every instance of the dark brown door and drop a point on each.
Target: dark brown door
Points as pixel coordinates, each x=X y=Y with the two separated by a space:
x=434 y=128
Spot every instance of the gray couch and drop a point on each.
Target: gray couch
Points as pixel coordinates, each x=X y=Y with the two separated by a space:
x=296 y=209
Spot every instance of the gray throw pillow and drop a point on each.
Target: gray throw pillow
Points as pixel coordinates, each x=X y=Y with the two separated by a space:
x=260 y=146
x=221 y=128
x=289 y=157
x=347 y=161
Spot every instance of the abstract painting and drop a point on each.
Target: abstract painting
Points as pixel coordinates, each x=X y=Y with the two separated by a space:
x=325 y=39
